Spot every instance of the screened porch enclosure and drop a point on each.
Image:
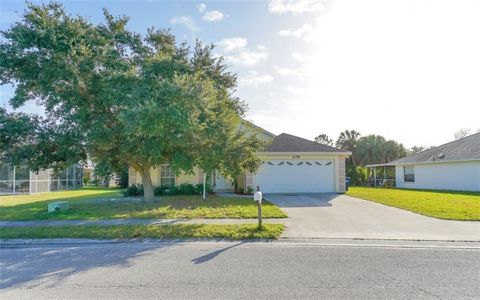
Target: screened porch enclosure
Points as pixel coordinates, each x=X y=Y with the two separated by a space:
x=381 y=175
x=21 y=180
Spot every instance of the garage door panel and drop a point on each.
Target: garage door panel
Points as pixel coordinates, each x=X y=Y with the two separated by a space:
x=281 y=176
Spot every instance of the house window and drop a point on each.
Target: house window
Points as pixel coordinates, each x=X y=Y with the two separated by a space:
x=409 y=174
x=167 y=177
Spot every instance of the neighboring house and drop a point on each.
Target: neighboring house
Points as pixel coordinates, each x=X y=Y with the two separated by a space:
x=290 y=164
x=88 y=171
x=22 y=180
x=452 y=166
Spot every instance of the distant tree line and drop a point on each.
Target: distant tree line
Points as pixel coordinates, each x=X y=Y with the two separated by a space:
x=366 y=150
x=463 y=132
x=373 y=149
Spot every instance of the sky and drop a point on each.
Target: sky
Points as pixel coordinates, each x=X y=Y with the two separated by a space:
x=408 y=70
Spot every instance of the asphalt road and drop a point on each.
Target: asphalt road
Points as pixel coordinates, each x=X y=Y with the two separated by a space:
x=207 y=270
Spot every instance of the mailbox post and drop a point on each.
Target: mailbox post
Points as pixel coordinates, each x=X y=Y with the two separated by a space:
x=257 y=197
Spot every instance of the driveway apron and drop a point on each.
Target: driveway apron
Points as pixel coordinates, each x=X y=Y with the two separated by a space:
x=342 y=216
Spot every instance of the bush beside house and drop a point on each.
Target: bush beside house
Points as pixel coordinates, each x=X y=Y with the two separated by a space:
x=182 y=189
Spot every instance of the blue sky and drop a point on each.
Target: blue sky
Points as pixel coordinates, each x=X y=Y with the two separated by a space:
x=408 y=70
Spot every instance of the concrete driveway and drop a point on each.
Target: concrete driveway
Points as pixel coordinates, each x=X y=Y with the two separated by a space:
x=341 y=216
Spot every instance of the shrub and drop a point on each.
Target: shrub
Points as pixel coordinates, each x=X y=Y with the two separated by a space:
x=186 y=189
x=166 y=190
x=240 y=190
x=134 y=190
x=199 y=188
x=358 y=175
x=250 y=190
x=160 y=190
x=183 y=189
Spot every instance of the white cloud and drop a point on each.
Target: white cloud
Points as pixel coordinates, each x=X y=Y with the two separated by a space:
x=201 y=7
x=297 y=91
x=210 y=16
x=185 y=21
x=231 y=44
x=248 y=57
x=255 y=79
x=299 y=57
x=295 y=6
x=348 y=65
x=299 y=33
x=288 y=71
x=236 y=52
x=213 y=16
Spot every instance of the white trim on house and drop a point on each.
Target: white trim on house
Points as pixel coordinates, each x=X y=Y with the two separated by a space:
x=428 y=162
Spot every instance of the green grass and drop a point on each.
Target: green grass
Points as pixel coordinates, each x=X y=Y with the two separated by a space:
x=233 y=232
x=449 y=205
x=84 y=193
x=98 y=203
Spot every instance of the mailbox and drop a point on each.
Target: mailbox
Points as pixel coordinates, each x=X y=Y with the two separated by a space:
x=257 y=197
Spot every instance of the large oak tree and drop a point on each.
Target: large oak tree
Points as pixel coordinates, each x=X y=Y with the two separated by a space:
x=142 y=101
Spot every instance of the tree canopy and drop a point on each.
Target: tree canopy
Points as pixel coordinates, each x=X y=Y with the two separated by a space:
x=370 y=149
x=374 y=149
x=347 y=140
x=29 y=140
x=324 y=139
x=124 y=98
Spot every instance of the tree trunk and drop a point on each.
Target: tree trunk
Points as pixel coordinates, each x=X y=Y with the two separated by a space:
x=147 y=184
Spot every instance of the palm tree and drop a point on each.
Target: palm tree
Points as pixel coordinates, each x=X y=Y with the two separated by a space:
x=375 y=149
x=370 y=150
x=347 y=140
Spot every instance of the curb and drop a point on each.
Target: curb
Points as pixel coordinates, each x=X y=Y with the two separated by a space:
x=133 y=222
x=81 y=241
x=322 y=242
x=300 y=239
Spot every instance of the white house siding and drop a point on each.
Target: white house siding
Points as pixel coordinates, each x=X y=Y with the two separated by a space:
x=458 y=176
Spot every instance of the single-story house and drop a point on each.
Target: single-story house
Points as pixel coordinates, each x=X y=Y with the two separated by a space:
x=453 y=166
x=290 y=164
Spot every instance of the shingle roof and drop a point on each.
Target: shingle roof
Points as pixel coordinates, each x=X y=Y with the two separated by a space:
x=290 y=143
x=250 y=124
x=467 y=148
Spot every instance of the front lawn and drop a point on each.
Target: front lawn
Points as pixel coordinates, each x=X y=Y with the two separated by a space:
x=98 y=203
x=464 y=206
x=233 y=232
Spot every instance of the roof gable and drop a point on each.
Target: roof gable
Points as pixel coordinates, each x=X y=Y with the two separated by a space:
x=251 y=129
x=290 y=143
x=467 y=148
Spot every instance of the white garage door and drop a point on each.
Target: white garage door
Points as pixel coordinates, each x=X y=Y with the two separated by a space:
x=296 y=176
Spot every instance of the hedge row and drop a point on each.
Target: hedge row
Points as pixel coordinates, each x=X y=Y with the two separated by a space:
x=182 y=189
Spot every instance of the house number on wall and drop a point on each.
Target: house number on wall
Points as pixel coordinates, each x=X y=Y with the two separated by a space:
x=296 y=156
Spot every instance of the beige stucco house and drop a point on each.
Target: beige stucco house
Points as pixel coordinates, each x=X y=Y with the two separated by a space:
x=290 y=164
